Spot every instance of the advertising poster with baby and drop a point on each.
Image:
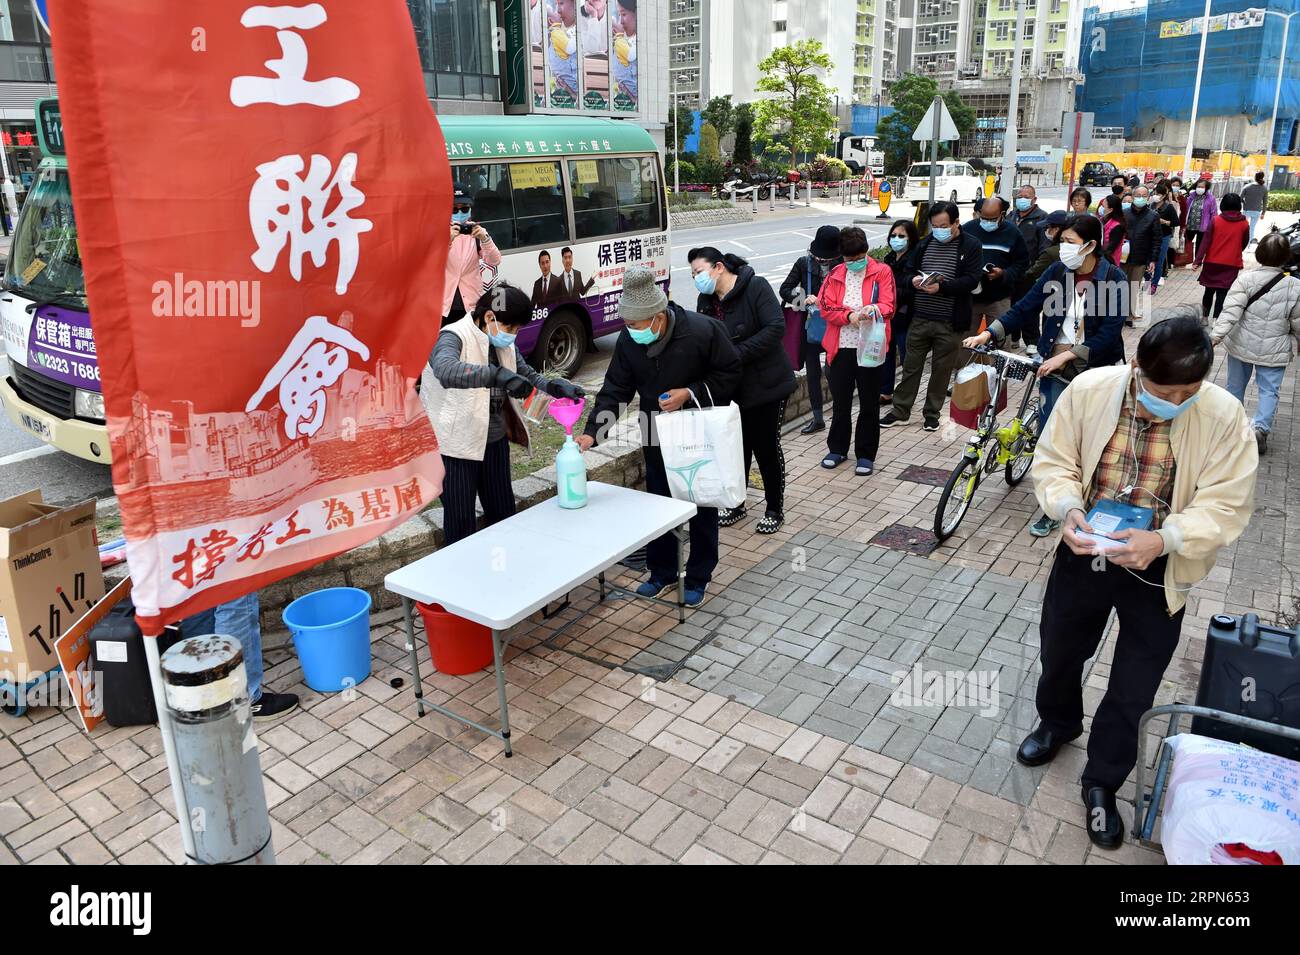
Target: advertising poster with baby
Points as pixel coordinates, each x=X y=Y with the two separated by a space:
x=584 y=54
x=299 y=179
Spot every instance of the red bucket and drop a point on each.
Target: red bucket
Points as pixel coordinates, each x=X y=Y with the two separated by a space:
x=456 y=645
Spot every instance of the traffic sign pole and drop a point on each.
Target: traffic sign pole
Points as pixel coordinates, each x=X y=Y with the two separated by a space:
x=937 y=109
x=1074 y=158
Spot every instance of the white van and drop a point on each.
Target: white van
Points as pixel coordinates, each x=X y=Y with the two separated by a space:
x=956 y=182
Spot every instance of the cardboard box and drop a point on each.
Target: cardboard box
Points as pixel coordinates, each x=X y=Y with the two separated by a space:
x=49 y=577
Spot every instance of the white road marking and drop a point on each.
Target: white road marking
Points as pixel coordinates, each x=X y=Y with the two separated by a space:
x=741 y=244
x=28 y=454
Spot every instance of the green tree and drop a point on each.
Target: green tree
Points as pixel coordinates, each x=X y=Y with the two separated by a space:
x=682 y=125
x=709 y=167
x=911 y=97
x=744 y=151
x=798 y=101
x=720 y=114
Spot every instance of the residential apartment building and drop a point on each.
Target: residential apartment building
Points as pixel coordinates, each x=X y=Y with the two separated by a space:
x=969 y=45
x=688 y=52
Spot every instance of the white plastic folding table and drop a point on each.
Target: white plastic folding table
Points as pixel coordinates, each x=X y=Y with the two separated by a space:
x=505 y=572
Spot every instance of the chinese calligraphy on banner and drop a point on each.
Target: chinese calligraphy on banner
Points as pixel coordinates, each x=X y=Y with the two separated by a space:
x=255 y=153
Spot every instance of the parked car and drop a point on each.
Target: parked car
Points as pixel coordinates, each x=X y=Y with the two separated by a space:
x=955 y=181
x=1097 y=174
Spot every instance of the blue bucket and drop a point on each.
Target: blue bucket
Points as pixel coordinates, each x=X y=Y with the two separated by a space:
x=331 y=631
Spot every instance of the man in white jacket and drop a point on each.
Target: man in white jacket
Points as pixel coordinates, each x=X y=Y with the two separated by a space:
x=1152 y=435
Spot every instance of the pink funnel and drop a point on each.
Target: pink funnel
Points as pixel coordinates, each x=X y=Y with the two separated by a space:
x=567 y=411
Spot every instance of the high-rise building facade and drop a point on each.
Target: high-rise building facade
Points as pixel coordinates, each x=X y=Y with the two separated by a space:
x=688 y=48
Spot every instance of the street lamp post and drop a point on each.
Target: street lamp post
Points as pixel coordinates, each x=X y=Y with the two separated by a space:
x=677 y=159
x=1011 y=133
x=1277 y=91
x=1196 y=94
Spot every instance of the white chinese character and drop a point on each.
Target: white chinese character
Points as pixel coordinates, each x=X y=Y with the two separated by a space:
x=289 y=86
x=65 y=335
x=275 y=211
x=501 y=147
x=40 y=325
x=315 y=359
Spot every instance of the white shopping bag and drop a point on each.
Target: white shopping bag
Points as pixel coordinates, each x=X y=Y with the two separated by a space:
x=703 y=455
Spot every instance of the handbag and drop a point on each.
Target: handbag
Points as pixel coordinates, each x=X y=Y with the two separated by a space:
x=815 y=329
x=703 y=454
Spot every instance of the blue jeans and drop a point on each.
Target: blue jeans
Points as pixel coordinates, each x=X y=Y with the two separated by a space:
x=1050 y=388
x=236 y=618
x=1162 y=257
x=1253 y=219
x=1268 y=379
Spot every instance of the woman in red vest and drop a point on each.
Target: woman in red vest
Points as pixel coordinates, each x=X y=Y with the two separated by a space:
x=1219 y=251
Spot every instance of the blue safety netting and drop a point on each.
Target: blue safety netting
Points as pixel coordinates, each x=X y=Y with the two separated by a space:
x=1136 y=76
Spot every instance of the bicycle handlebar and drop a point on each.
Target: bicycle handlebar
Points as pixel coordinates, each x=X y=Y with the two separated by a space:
x=1031 y=360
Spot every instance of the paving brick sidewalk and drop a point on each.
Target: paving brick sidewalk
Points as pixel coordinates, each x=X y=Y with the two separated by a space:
x=776 y=741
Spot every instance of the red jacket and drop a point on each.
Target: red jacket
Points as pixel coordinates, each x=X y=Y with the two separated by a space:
x=1224 y=240
x=830 y=300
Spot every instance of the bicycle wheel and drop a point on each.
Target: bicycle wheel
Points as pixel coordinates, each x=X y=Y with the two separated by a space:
x=955 y=500
x=1018 y=466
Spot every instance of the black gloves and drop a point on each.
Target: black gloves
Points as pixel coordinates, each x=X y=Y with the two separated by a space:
x=516 y=386
x=559 y=388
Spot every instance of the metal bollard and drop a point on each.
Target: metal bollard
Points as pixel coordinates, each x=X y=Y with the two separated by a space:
x=753 y=199
x=807 y=198
x=216 y=749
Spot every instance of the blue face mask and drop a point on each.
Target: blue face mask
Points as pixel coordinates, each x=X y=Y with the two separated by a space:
x=898 y=243
x=988 y=226
x=1126 y=206
x=705 y=283
x=1023 y=205
x=501 y=339
x=941 y=235
x=1139 y=202
x=1160 y=407
x=856 y=266
x=459 y=217
x=644 y=336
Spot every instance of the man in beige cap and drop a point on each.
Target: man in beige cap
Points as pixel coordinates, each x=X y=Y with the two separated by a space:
x=668 y=357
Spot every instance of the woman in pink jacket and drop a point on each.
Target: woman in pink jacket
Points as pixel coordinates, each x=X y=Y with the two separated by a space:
x=471 y=248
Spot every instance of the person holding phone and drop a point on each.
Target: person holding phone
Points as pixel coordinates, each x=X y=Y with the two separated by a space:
x=471 y=248
x=1151 y=434
x=1005 y=259
x=944 y=269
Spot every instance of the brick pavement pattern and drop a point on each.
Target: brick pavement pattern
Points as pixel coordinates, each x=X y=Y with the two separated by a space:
x=778 y=739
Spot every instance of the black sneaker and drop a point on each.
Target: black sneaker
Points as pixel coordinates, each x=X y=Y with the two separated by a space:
x=272 y=706
x=931 y=424
x=890 y=419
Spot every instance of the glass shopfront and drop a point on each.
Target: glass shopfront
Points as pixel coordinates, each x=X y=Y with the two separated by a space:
x=456 y=49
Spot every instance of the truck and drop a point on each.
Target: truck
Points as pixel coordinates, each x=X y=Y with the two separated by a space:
x=859 y=153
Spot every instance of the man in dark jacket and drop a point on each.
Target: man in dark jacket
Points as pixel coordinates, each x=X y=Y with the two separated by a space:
x=1142 y=227
x=668 y=357
x=944 y=269
x=1030 y=219
x=747 y=306
x=1005 y=261
x=1050 y=254
x=803 y=282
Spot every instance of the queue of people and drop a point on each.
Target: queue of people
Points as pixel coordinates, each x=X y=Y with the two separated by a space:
x=1149 y=430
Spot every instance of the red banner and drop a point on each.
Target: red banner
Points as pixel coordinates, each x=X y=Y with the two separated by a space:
x=256 y=189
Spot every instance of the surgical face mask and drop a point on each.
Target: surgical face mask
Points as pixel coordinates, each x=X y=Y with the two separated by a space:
x=988 y=226
x=1161 y=407
x=856 y=265
x=941 y=234
x=705 y=283
x=1200 y=190
x=1126 y=206
x=501 y=339
x=1023 y=204
x=459 y=217
x=1073 y=255
x=644 y=336
x=898 y=243
x=1139 y=201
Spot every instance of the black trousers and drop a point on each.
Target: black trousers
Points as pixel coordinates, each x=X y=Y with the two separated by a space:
x=661 y=553
x=810 y=354
x=1076 y=606
x=465 y=481
x=1213 y=298
x=846 y=375
x=760 y=435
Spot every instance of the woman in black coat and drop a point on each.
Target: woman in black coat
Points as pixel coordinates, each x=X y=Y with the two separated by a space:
x=745 y=303
x=805 y=280
x=902 y=240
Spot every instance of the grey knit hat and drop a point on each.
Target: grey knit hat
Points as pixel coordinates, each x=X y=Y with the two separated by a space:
x=641 y=298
